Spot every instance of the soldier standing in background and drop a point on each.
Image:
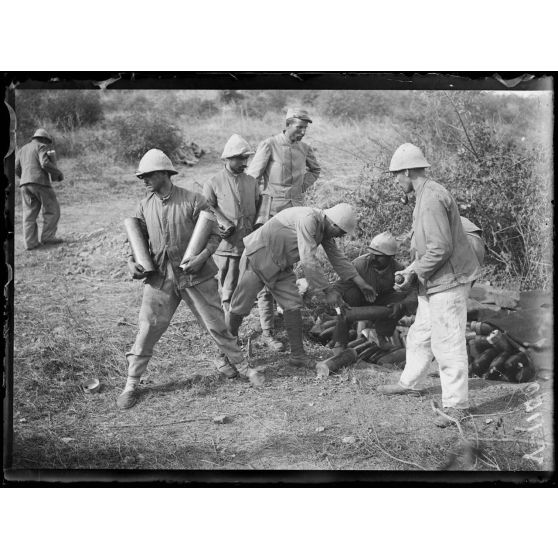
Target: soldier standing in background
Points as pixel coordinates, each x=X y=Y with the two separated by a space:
x=285 y=167
x=36 y=168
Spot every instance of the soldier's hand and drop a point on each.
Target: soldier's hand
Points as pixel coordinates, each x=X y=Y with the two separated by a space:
x=195 y=263
x=136 y=270
x=226 y=232
x=334 y=299
x=404 y=280
x=367 y=290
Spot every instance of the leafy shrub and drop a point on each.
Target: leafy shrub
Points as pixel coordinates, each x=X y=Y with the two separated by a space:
x=136 y=133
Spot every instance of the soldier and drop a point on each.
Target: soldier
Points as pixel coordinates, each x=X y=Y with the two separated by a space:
x=378 y=268
x=168 y=216
x=36 y=167
x=285 y=167
x=271 y=251
x=234 y=197
x=444 y=266
x=474 y=236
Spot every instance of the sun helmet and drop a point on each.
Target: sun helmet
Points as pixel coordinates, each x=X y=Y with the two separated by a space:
x=155 y=160
x=42 y=133
x=408 y=156
x=383 y=244
x=343 y=216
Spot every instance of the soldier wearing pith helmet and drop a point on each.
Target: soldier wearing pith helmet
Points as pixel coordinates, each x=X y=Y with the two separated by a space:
x=233 y=196
x=168 y=217
x=444 y=266
x=292 y=236
x=285 y=167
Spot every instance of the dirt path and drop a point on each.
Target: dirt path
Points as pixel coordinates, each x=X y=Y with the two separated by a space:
x=75 y=317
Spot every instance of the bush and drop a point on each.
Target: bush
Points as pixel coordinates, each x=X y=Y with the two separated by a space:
x=136 y=133
x=65 y=109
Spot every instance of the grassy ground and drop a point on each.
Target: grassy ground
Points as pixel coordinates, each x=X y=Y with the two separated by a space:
x=76 y=315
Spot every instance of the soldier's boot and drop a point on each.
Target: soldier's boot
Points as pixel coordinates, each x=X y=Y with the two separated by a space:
x=137 y=365
x=225 y=367
x=293 y=325
x=256 y=377
x=271 y=342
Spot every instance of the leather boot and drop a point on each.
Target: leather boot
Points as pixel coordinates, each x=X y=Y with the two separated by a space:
x=265 y=308
x=271 y=342
x=293 y=325
x=256 y=378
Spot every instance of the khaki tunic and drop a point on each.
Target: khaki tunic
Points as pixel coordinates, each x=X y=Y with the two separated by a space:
x=286 y=169
x=33 y=165
x=294 y=235
x=236 y=195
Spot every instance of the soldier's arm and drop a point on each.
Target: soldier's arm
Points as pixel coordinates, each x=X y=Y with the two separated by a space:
x=260 y=161
x=313 y=170
x=48 y=165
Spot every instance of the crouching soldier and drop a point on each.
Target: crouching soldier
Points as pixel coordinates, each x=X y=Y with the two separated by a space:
x=167 y=218
x=378 y=268
x=294 y=235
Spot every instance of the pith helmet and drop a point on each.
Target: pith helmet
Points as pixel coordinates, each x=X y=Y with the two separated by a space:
x=301 y=114
x=154 y=160
x=237 y=146
x=343 y=216
x=42 y=133
x=384 y=244
x=469 y=226
x=408 y=156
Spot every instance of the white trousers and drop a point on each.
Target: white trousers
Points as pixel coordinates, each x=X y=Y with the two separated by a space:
x=439 y=331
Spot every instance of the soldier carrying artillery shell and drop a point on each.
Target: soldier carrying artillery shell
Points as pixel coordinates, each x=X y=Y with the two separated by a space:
x=168 y=221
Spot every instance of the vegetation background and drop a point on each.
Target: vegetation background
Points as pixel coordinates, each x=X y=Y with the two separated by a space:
x=493 y=151
x=76 y=307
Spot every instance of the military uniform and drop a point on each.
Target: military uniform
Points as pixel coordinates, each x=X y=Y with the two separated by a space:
x=236 y=196
x=168 y=225
x=285 y=170
x=271 y=251
x=36 y=170
x=382 y=280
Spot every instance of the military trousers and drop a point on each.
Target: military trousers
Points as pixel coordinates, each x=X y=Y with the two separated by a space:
x=34 y=198
x=282 y=286
x=227 y=275
x=157 y=309
x=439 y=331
